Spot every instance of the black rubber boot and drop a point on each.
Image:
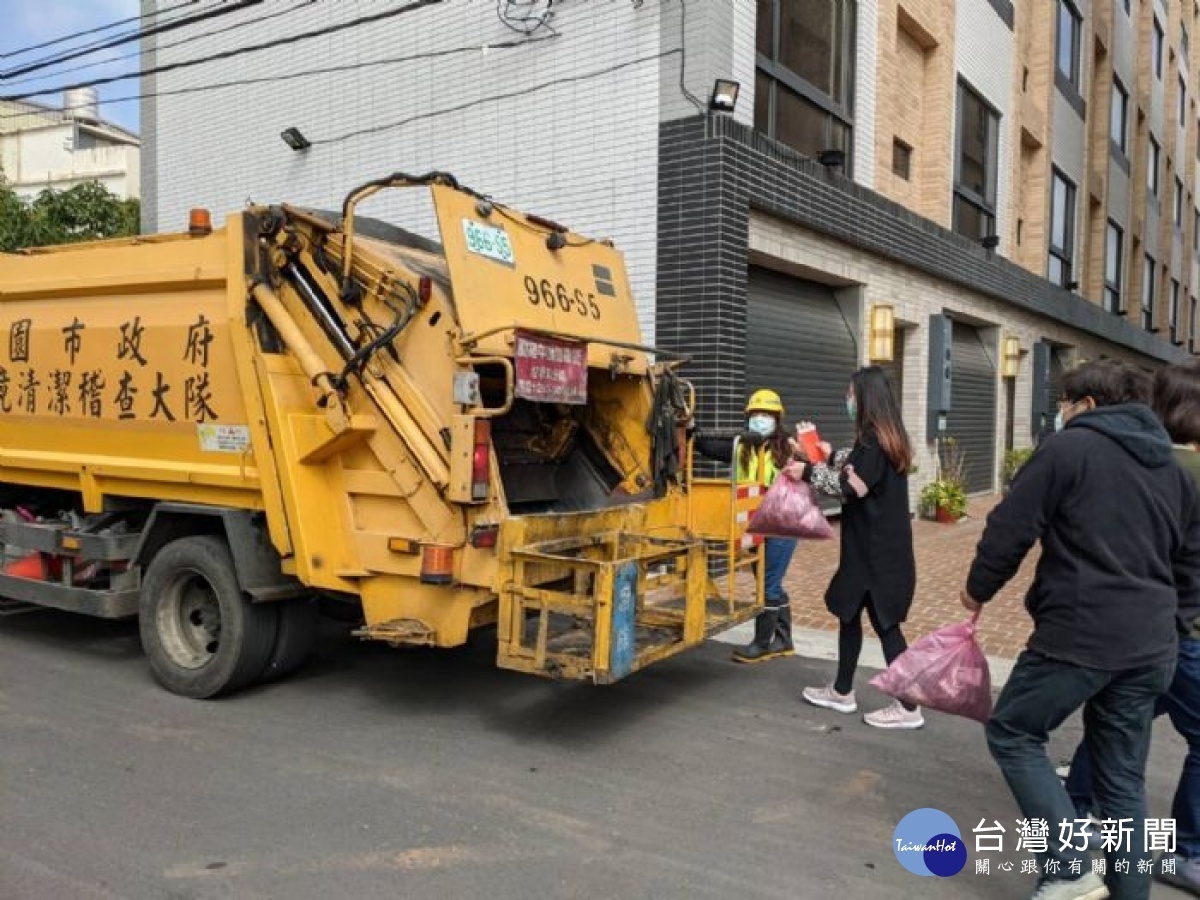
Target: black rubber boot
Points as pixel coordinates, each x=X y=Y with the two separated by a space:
x=759 y=649
x=781 y=642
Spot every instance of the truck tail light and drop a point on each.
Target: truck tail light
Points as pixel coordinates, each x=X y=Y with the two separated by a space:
x=481 y=454
x=437 y=564
x=484 y=536
x=424 y=290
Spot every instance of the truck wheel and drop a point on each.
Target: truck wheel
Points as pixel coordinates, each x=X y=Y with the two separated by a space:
x=202 y=635
x=295 y=638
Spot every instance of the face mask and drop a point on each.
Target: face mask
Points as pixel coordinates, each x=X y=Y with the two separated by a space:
x=852 y=408
x=764 y=426
x=1058 y=421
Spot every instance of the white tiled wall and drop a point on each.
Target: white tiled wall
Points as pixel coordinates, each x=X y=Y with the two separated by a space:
x=581 y=151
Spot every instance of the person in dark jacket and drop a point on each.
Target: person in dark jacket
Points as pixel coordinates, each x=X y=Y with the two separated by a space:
x=764 y=443
x=1119 y=525
x=1176 y=401
x=876 y=566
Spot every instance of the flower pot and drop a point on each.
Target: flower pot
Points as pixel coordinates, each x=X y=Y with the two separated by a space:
x=946 y=517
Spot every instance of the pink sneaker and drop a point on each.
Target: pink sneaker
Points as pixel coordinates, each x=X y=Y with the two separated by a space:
x=895 y=716
x=831 y=699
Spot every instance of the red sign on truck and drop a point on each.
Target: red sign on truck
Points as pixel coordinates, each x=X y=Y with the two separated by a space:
x=550 y=370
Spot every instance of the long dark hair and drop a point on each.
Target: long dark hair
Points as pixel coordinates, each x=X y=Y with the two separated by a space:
x=776 y=443
x=879 y=412
x=1177 y=401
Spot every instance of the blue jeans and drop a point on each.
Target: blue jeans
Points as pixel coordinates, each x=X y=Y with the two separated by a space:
x=1182 y=704
x=777 y=556
x=1118 y=711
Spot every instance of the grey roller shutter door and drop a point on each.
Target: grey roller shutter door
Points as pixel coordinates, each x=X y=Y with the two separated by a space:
x=798 y=344
x=972 y=418
x=1057 y=370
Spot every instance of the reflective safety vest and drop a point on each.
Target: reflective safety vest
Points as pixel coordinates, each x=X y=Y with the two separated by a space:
x=748 y=472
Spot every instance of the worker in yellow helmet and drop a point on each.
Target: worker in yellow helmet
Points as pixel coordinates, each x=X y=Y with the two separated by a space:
x=764 y=429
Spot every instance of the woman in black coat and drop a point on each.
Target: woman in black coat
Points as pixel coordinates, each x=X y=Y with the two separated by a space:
x=876 y=568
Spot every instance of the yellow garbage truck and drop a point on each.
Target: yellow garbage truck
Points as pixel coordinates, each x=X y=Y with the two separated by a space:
x=214 y=431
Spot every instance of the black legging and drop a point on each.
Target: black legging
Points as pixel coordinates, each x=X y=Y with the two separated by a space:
x=850 y=638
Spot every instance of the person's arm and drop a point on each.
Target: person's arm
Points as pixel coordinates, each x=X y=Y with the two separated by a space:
x=1019 y=520
x=715 y=446
x=869 y=463
x=826 y=477
x=1186 y=567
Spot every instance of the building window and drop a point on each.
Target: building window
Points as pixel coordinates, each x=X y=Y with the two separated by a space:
x=1070 y=23
x=901 y=159
x=1114 y=265
x=975 y=166
x=1173 y=310
x=1156 y=50
x=1152 y=167
x=1062 y=230
x=1148 y=293
x=1119 y=119
x=804 y=86
x=1178 y=202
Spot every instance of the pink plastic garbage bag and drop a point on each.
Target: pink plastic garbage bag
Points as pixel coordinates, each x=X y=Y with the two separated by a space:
x=790 y=509
x=945 y=670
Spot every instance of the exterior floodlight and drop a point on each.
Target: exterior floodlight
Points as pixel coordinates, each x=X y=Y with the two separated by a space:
x=724 y=96
x=294 y=139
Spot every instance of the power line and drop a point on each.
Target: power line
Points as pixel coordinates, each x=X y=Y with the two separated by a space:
x=303 y=73
x=228 y=54
x=78 y=34
x=376 y=129
x=171 y=46
x=222 y=10
x=291 y=75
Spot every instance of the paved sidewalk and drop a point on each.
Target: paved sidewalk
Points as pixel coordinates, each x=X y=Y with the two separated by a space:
x=944 y=553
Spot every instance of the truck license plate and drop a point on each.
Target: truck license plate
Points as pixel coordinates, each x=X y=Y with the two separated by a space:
x=489 y=241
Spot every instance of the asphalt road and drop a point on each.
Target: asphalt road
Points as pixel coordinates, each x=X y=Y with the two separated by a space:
x=398 y=774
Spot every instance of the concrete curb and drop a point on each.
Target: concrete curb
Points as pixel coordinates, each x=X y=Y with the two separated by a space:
x=813 y=644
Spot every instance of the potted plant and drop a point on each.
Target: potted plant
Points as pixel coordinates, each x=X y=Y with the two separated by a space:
x=945 y=499
x=1013 y=460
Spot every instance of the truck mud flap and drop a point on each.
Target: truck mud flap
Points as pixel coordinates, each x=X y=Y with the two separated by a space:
x=602 y=606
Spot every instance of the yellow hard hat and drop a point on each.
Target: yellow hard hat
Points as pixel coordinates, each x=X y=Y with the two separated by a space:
x=765 y=401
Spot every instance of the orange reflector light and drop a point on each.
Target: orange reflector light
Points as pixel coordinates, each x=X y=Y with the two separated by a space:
x=404 y=545
x=199 y=221
x=437 y=564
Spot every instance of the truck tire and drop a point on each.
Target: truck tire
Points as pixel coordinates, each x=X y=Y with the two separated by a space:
x=202 y=635
x=294 y=639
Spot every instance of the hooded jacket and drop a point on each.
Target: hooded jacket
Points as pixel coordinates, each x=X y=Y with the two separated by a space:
x=1119 y=521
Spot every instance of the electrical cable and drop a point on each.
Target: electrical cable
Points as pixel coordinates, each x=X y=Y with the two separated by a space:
x=238 y=51
x=683 y=58
x=570 y=79
x=288 y=76
x=506 y=17
x=167 y=46
x=223 y=10
x=78 y=34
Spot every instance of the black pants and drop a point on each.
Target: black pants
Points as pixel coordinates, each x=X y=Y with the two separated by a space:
x=850 y=638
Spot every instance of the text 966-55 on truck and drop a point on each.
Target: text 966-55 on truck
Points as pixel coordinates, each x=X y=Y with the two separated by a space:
x=210 y=430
